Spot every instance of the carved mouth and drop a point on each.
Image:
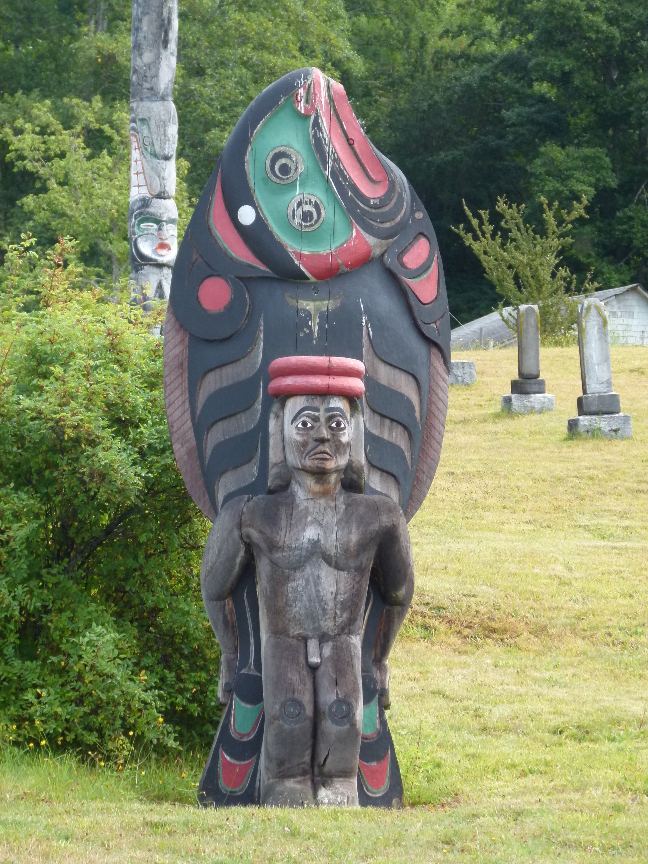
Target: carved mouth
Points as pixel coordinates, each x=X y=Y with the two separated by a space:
x=321 y=454
x=161 y=248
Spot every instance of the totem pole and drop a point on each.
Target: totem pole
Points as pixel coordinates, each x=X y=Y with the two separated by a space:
x=152 y=214
x=306 y=354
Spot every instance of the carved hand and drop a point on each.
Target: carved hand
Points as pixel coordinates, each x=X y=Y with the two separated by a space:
x=226 y=676
x=381 y=671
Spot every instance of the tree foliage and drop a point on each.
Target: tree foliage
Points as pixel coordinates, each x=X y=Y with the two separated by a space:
x=103 y=630
x=525 y=267
x=473 y=100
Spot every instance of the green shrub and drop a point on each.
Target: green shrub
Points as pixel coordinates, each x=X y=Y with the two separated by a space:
x=102 y=628
x=525 y=267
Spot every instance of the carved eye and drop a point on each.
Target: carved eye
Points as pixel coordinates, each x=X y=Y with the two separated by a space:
x=284 y=165
x=338 y=425
x=304 y=424
x=306 y=212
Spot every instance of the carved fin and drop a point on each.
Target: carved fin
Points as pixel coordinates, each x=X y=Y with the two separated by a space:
x=383 y=482
x=235 y=424
x=388 y=429
x=237 y=477
x=391 y=376
x=231 y=373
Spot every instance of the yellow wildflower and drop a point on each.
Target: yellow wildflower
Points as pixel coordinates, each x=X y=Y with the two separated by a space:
x=131 y=733
x=31 y=744
x=42 y=743
x=160 y=720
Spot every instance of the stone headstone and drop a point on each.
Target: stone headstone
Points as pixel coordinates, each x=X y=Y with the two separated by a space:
x=528 y=332
x=599 y=408
x=528 y=394
x=594 y=347
x=462 y=373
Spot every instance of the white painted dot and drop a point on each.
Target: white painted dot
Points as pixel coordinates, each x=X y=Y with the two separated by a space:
x=246 y=215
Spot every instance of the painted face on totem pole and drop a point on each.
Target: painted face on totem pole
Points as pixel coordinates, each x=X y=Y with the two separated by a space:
x=154 y=137
x=317 y=433
x=154 y=231
x=290 y=187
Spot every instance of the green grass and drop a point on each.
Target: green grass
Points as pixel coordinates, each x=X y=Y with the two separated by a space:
x=520 y=682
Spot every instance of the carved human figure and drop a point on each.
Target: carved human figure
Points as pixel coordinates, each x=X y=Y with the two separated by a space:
x=154 y=230
x=154 y=138
x=315 y=545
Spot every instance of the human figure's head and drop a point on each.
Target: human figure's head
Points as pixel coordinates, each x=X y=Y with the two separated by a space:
x=317 y=437
x=317 y=434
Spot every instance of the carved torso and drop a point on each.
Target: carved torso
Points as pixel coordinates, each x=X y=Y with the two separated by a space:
x=313 y=558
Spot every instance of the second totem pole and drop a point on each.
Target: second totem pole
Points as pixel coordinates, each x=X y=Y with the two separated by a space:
x=152 y=213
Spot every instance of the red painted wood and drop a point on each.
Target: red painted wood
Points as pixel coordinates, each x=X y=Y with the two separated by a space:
x=234 y=774
x=228 y=233
x=319 y=265
x=214 y=294
x=176 y=399
x=426 y=286
x=353 y=133
x=432 y=433
x=298 y=365
x=416 y=253
x=352 y=165
x=355 y=252
x=316 y=385
x=375 y=773
x=318 y=98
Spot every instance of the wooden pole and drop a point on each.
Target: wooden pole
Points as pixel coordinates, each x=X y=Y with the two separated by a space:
x=152 y=213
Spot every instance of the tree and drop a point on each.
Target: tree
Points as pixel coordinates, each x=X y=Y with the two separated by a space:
x=103 y=628
x=525 y=266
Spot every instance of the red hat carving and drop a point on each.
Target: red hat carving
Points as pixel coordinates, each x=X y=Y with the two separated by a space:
x=303 y=376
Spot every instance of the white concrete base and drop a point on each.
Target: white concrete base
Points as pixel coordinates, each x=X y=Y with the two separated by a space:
x=462 y=372
x=605 y=425
x=531 y=403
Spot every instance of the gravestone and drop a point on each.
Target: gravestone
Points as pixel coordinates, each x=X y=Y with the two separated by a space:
x=309 y=271
x=462 y=373
x=599 y=408
x=528 y=391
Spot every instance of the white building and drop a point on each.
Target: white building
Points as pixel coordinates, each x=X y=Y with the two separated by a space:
x=627 y=311
x=626 y=307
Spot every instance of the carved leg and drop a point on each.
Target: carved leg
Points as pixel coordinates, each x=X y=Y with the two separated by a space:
x=288 y=735
x=338 y=701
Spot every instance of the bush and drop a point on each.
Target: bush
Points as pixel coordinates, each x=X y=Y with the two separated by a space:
x=104 y=641
x=525 y=267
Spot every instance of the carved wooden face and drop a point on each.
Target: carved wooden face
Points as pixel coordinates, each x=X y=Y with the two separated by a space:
x=154 y=231
x=317 y=433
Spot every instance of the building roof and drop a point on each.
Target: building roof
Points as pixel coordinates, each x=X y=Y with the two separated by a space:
x=490 y=330
x=612 y=292
x=484 y=332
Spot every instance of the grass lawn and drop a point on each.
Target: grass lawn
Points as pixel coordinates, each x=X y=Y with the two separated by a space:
x=519 y=684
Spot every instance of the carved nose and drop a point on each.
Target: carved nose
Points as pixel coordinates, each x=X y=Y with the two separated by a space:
x=321 y=434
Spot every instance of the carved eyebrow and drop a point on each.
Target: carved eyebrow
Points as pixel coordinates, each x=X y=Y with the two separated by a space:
x=337 y=411
x=307 y=408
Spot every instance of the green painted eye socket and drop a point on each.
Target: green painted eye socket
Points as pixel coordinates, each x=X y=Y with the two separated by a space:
x=306 y=212
x=284 y=165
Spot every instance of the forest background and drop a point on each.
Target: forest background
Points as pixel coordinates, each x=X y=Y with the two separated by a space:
x=104 y=640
